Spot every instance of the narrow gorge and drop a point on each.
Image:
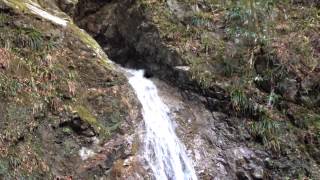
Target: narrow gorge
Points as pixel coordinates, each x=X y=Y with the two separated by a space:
x=168 y=89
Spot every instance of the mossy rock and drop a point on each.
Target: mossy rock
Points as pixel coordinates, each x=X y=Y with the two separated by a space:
x=86 y=115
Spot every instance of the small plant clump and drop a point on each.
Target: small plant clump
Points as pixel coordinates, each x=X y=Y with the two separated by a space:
x=267 y=132
x=31 y=38
x=240 y=101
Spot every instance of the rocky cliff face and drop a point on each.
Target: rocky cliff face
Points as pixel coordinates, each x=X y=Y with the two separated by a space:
x=257 y=89
x=62 y=101
x=254 y=92
x=246 y=101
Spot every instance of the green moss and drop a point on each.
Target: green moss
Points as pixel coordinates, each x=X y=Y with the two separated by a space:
x=89 y=118
x=88 y=40
x=86 y=115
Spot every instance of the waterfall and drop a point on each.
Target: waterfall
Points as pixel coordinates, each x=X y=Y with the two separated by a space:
x=163 y=151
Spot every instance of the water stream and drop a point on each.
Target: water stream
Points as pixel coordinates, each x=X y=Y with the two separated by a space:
x=163 y=151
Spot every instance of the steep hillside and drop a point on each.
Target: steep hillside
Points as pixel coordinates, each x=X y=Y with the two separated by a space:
x=61 y=99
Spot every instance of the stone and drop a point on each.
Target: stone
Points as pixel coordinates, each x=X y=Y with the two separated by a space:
x=258 y=173
x=242 y=175
x=183 y=68
x=289 y=89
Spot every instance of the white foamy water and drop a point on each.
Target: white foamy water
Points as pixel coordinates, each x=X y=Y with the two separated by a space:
x=163 y=151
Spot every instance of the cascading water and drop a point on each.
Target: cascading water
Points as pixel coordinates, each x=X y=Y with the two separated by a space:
x=163 y=151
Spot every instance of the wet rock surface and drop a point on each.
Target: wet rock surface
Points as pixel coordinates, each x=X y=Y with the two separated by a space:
x=219 y=144
x=227 y=143
x=215 y=147
x=80 y=119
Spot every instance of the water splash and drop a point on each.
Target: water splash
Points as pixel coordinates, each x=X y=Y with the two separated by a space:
x=163 y=151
